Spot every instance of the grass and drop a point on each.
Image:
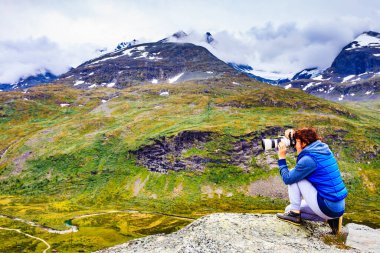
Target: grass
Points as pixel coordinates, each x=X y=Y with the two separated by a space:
x=81 y=160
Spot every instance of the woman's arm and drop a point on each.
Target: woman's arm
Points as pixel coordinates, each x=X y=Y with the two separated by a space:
x=304 y=167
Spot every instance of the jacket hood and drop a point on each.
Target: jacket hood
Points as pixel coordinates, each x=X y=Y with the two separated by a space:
x=316 y=147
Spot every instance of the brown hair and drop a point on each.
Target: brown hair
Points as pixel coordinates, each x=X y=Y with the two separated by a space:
x=306 y=135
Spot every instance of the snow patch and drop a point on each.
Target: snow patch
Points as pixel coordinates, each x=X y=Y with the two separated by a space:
x=209 y=72
x=164 y=93
x=154 y=81
x=308 y=86
x=154 y=58
x=330 y=89
x=369 y=92
x=313 y=72
x=347 y=78
x=288 y=86
x=141 y=48
x=143 y=55
x=78 y=82
x=110 y=85
x=174 y=79
x=105 y=59
x=126 y=52
x=319 y=78
x=91 y=74
x=365 y=40
x=104 y=101
x=377 y=55
x=92 y=86
x=64 y=105
x=270 y=75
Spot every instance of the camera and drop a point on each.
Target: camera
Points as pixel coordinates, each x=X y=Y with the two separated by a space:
x=288 y=139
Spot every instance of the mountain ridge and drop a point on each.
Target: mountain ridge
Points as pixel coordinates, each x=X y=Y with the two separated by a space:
x=158 y=62
x=354 y=75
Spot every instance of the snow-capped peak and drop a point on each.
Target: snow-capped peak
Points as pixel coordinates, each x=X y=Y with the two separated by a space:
x=195 y=38
x=307 y=74
x=126 y=44
x=366 y=39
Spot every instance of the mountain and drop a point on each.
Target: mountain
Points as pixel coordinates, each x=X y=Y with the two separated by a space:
x=159 y=62
x=360 y=56
x=127 y=44
x=247 y=70
x=307 y=73
x=30 y=81
x=354 y=74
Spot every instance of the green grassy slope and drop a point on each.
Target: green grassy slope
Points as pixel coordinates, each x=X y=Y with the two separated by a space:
x=61 y=162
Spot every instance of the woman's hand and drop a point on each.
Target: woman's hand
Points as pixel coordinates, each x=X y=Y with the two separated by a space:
x=281 y=150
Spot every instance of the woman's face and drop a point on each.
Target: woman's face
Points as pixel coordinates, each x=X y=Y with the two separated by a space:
x=299 y=145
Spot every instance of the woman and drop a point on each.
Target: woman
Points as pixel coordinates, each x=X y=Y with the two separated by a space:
x=316 y=178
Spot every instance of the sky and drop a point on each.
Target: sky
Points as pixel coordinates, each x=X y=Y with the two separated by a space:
x=277 y=36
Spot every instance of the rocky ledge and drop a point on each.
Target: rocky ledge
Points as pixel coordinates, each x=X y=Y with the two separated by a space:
x=226 y=232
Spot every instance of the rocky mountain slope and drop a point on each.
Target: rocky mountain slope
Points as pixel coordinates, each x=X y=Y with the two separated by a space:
x=354 y=74
x=30 y=81
x=181 y=140
x=160 y=62
x=233 y=233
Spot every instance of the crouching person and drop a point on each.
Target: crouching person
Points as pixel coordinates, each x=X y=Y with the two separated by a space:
x=315 y=186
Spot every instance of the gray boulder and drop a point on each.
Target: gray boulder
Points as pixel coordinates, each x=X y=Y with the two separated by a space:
x=227 y=232
x=363 y=238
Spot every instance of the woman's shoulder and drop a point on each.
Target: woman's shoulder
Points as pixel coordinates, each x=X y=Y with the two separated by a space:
x=307 y=160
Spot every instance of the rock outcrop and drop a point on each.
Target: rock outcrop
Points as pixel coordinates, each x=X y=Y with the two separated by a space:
x=363 y=237
x=167 y=153
x=227 y=232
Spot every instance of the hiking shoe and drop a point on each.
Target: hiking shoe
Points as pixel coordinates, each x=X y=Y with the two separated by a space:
x=335 y=225
x=291 y=216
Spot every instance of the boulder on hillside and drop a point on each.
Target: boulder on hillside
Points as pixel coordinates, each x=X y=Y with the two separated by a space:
x=363 y=237
x=228 y=232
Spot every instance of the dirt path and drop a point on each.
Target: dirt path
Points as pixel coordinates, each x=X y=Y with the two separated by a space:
x=4 y=152
x=31 y=236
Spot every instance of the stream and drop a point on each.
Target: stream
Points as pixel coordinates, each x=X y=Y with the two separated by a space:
x=73 y=228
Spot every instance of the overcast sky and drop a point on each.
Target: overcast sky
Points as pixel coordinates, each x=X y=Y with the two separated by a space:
x=272 y=35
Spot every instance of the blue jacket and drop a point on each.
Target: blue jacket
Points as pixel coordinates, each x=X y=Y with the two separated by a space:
x=317 y=164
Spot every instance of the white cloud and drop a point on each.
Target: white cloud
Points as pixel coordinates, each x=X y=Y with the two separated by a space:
x=273 y=35
x=30 y=56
